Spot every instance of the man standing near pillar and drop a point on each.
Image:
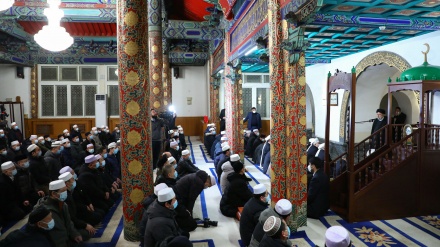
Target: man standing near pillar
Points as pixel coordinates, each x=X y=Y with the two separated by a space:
x=156 y=135
x=254 y=119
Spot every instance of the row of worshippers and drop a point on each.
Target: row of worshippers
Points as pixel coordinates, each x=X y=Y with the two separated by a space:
x=26 y=181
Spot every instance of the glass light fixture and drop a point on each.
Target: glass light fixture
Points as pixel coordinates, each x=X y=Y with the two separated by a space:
x=6 y=4
x=53 y=38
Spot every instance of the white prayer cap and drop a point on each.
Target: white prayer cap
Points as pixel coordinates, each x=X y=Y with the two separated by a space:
x=94 y=128
x=171 y=159
x=102 y=126
x=57 y=184
x=111 y=145
x=14 y=143
x=185 y=152
x=244 y=131
x=211 y=129
x=40 y=138
x=170 y=131
x=213 y=182
x=64 y=141
x=65 y=131
x=13 y=123
x=272 y=225
x=165 y=195
x=224 y=144
x=172 y=144
x=65 y=169
x=337 y=236
x=226 y=147
x=98 y=156
x=255 y=130
x=248 y=131
x=283 y=207
x=314 y=140
x=7 y=165
x=89 y=159
x=90 y=145
x=223 y=132
x=267 y=138
x=65 y=176
x=235 y=157
x=179 y=126
x=1 y=131
x=75 y=126
x=33 y=137
x=159 y=187
x=259 y=189
x=118 y=142
x=212 y=124
x=30 y=148
x=55 y=144
x=321 y=146
x=223 y=138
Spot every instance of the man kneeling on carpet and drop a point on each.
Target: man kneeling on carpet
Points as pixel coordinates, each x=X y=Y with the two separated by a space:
x=161 y=223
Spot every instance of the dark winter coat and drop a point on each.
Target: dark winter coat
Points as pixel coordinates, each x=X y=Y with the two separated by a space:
x=53 y=163
x=39 y=172
x=30 y=236
x=237 y=193
x=318 y=195
x=249 y=218
x=10 y=194
x=189 y=188
x=185 y=167
x=161 y=224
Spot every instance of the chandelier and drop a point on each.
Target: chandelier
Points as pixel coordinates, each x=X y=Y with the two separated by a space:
x=53 y=37
x=6 y=4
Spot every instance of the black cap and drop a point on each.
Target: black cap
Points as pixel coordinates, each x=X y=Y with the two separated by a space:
x=237 y=165
x=87 y=133
x=380 y=110
x=20 y=157
x=38 y=214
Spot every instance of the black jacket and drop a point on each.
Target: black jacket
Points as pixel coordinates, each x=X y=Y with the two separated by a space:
x=30 y=236
x=185 y=167
x=39 y=172
x=189 y=188
x=10 y=194
x=318 y=195
x=249 y=144
x=53 y=164
x=78 y=223
x=91 y=184
x=170 y=182
x=161 y=224
x=237 y=193
x=156 y=128
x=249 y=218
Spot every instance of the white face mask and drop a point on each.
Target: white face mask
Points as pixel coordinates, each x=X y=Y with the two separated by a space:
x=309 y=167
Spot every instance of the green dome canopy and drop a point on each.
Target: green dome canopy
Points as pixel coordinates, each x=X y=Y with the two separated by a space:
x=425 y=71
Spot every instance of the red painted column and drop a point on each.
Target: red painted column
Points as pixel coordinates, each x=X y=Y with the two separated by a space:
x=137 y=174
x=155 y=51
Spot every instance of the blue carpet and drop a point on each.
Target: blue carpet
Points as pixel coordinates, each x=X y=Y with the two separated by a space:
x=427 y=221
x=192 y=151
x=258 y=167
x=114 y=239
x=204 y=155
x=107 y=219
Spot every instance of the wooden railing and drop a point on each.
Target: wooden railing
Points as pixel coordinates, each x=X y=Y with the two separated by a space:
x=385 y=161
x=376 y=141
x=432 y=133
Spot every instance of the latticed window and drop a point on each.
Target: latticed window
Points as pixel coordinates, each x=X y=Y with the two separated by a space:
x=263 y=103
x=247 y=100
x=256 y=92
x=90 y=92
x=48 y=101
x=61 y=100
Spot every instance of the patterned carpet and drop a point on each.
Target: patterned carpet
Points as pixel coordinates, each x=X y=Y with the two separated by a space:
x=416 y=231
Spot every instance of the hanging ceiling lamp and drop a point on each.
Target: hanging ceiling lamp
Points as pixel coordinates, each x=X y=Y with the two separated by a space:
x=53 y=37
x=6 y=4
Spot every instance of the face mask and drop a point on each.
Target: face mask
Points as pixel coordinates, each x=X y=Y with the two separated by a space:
x=175 y=204
x=75 y=176
x=50 y=225
x=288 y=232
x=4 y=153
x=2 y=135
x=103 y=163
x=97 y=132
x=17 y=148
x=73 y=185
x=61 y=138
x=254 y=111
x=14 y=172
x=175 y=174
x=117 y=131
x=62 y=148
x=97 y=165
x=91 y=137
x=105 y=156
x=68 y=134
x=48 y=139
x=177 y=148
x=77 y=129
x=35 y=141
x=76 y=140
x=39 y=153
x=116 y=150
x=267 y=199
x=59 y=151
x=176 y=134
x=67 y=145
x=106 y=131
x=42 y=142
x=309 y=168
x=175 y=166
x=91 y=151
x=16 y=127
x=26 y=165
x=214 y=133
x=63 y=196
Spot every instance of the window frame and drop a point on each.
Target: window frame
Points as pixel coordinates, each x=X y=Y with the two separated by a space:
x=254 y=87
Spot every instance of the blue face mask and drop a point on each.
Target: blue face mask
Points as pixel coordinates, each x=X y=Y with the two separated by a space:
x=14 y=172
x=105 y=156
x=175 y=204
x=26 y=165
x=175 y=166
x=103 y=163
x=288 y=232
x=91 y=151
x=116 y=150
x=267 y=199
x=63 y=196
x=59 y=151
x=73 y=185
x=2 y=135
x=36 y=141
x=16 y=127
x=50 y=225
x=39 y=153
x=4 y=153
x=97 y=165
x=75 y=176
x=175 y=174
x=91 y=137
x=61 y=148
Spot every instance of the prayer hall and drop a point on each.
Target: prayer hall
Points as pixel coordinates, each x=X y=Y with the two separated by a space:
x=219 y=123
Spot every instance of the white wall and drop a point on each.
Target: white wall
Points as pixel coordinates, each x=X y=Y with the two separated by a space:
x=193 y=82
x=12 y=86
x=316 y=76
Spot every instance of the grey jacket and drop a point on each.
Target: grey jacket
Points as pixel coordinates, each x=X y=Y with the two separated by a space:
x=258 y=234
x=227 y=169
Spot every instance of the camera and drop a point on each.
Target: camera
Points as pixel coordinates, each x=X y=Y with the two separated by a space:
x=208 y=223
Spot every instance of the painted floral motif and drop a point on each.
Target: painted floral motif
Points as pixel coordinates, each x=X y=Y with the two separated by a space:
x=432 y=220
x=374 y=237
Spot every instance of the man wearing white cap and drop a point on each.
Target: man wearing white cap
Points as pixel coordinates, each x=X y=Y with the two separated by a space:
x=251 y=212
x=218 y=146
x=282 y=210
x=168 y=173
x=185 y=165
x=92 y=184
x=277 y=233
x=95 y=133
x=321 y=152
x=161 y=223
x=33 y=139
x=226 y=169
x=66 y=134
x=253 y=136
x=318 y=201
x=38 y=169
x=209 y=139
x=75 y=131
x=3 y=138
x=113 y=164
x=12 y=206
x=313 y=148
x=15 y=134
x=221 y=155
x=14 y=150
x=337 y=236
x=182 y=138
x=52 y=160
x=256 y=148
x=174 y=150
x=3 y=154
x=64 y=234
x=236 y=193
x=41 y=145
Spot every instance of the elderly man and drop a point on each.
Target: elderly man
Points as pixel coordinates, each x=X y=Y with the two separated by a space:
x=253 y=136
x=227 y=169
x=174 y=150
x=185 y=165
x=3 y=154
x=3 y=138
x=161 y=223
x=113 y=165
x=52 y=160
x=277 y=233
x=15 y=134
x=169 y=174
x=78 y=154
x=95 y=133
x=41 y=144
x=64 y=232
x=116 y=134
x=251 y=212
x=14 y=150
x=313 y=148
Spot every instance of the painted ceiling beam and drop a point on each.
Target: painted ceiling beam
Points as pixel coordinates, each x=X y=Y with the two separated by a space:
x=191 y=30
x=12 y=28
x=21 y=59
x=317 y=61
